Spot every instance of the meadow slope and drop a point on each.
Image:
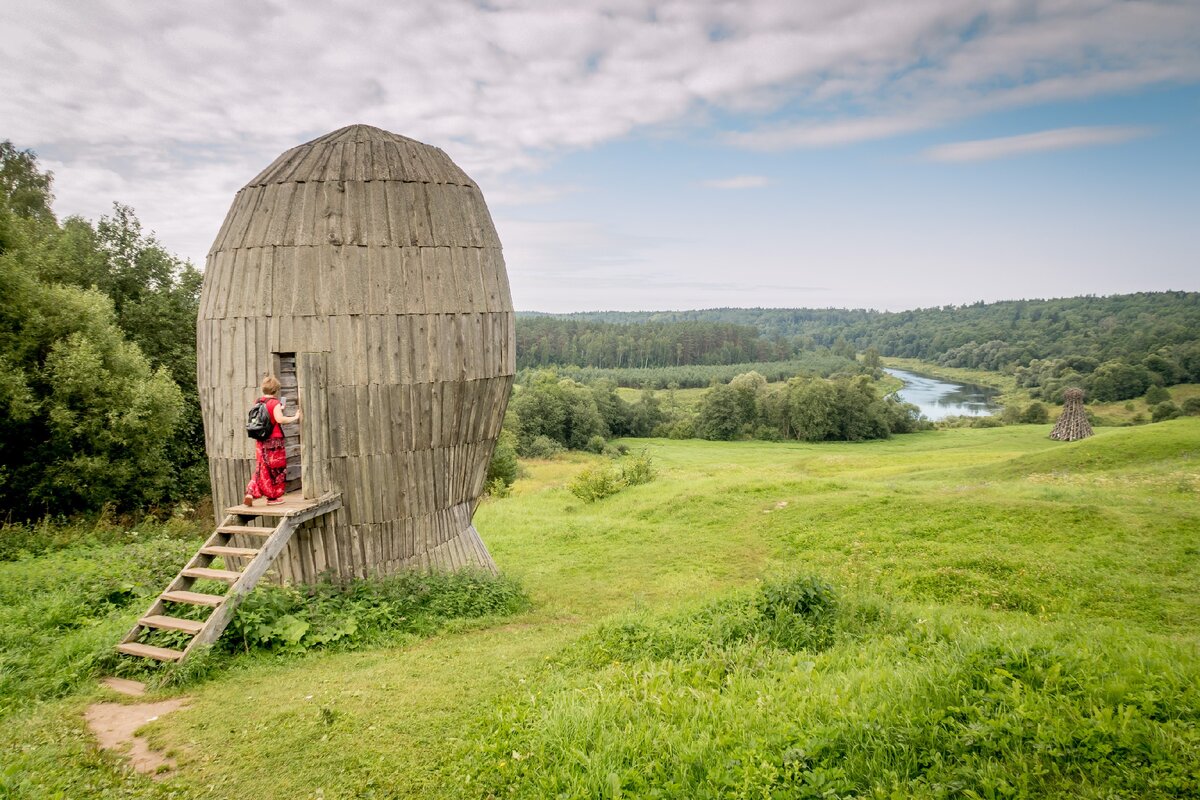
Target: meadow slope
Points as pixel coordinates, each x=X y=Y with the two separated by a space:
x=1008 y=616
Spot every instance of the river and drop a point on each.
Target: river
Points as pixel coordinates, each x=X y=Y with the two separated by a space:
x=939 y=399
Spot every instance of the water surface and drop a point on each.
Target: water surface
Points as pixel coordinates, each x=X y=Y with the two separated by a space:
x=939 y=398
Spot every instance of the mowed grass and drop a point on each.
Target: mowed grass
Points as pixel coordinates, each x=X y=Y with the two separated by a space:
x=1015 y=617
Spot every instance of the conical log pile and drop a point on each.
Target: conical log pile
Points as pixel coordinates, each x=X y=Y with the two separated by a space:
x=1073 y=422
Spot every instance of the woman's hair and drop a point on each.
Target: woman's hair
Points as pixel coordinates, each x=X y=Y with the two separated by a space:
x=270 y=385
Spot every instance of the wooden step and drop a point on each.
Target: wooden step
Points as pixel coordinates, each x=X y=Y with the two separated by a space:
x=249 y=530
x=172 y=623
x=261 y=511
x=194 y=598
x=150 y=651
x=222 y=550
x=213 y=574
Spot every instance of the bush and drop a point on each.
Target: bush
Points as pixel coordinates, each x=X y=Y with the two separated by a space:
x=503 y=468
x=543 y=447
x=1164 y=411
x=595 y=444
x=1035 y=414
x=1191 y=406
x=638 y=469
x=596 y=483
x=294 y=619
x=1157 y=394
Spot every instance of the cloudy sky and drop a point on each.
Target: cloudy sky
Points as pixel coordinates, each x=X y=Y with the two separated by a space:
x=645 y=155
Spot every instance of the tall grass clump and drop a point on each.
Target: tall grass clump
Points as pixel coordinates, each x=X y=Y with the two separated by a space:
x=794 y=692
x=62 y=613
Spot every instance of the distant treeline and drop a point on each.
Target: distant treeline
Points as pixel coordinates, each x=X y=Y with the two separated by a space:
x=1128 y=327
x=820 y=362
x=550 y=341
x=1114 y=347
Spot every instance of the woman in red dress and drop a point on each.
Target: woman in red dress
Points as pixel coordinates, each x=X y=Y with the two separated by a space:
x=270 y=473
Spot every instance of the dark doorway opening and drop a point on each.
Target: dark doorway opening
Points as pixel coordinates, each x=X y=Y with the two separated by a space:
x=289 y=392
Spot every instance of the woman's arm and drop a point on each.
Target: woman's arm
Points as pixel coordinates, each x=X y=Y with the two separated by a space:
x=282 y=420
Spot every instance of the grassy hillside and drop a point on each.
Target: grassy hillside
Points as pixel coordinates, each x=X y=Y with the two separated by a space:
x=993 y=614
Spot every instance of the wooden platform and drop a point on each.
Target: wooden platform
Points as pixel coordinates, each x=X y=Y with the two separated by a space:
x=293 y=503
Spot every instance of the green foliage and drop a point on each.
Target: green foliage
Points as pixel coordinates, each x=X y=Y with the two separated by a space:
x=600 y=481
x=544 y=341
x=1034 y=414
x=1191 y=406
x=1164 y=411
x=1157 y=394
x=504 y=468
x=97 y=355
x=884 y=704
x=820 y=362
x=20 y=540
x=596 y=483
x=62 y=612
x=1151 y=334
x=295 y=619
x=63 y=609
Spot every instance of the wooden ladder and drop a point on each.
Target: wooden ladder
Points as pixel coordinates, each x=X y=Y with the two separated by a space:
x=236 y=523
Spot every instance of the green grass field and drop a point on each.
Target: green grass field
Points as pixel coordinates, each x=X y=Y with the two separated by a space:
x=1014 y=617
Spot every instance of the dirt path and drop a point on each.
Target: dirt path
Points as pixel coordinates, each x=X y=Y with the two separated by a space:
x=114 y=726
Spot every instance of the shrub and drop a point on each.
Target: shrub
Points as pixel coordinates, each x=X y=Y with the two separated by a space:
x=543 y=447
x=1164 y=411
x=294 y=619
x=595 y=444
x=637 y=470
x=1157 y=394
x=1035 y=414
x=503 y=468
x=596 y=483
x=1191 y=406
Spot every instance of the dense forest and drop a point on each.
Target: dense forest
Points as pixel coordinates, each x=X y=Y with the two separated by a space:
x=549 y=341
x=98 y=403
x=983 y=335
x=1115 y=347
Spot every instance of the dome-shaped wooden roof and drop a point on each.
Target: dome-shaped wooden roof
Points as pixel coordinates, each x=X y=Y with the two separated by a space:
x=359 y=185
x=363 y=153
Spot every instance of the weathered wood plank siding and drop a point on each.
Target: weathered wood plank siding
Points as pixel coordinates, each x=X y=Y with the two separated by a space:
x=370 y=262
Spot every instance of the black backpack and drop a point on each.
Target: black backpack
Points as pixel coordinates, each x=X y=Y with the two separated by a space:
x=259 y=424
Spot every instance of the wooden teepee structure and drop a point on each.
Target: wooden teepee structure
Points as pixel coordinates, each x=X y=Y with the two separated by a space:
x=1073 y=422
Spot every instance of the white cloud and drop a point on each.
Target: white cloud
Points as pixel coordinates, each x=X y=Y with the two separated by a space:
x=174 y=105
x=1042 y=141
x=739 y=182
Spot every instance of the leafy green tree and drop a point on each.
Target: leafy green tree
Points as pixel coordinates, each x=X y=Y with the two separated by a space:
x=90 y=420
x=1164 y=411
x=812 y=409
x=1034 y=414
x=1118 y=380
x=718 y=417
x=749 y=387
x=1157 y=394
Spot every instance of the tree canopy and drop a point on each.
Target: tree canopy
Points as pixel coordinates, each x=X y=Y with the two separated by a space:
x=97 y=357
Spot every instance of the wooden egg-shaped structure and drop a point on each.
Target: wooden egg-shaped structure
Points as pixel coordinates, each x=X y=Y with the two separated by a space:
x=364 y=270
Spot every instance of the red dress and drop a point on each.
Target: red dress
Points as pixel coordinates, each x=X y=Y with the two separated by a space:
x=270 y=473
